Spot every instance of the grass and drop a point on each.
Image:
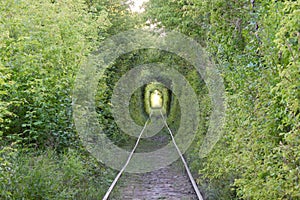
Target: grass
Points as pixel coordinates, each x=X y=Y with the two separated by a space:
x=48 y=175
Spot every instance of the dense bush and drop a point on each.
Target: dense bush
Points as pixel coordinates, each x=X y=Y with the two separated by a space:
x=46 y=175
x=42 y=46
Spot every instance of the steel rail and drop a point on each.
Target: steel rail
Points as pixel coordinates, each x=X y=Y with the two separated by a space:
x=127 y=162
x=183 y=160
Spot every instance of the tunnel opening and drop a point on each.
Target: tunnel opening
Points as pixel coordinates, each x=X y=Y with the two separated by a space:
x=157 y=98
x=140 y=105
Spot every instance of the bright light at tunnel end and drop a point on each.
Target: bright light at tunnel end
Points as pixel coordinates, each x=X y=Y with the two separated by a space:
x=156 y=99
x=84 y=112
x=136 y=6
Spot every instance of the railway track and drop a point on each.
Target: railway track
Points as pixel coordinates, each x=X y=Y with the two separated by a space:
x=149 y=183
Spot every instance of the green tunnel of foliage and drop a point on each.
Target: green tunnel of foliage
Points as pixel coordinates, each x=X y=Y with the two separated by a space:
x=140 y=107
x=255 y=45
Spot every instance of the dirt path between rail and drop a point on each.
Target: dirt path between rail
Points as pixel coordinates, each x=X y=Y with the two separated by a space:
x=165 y=183
x=170 y=182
